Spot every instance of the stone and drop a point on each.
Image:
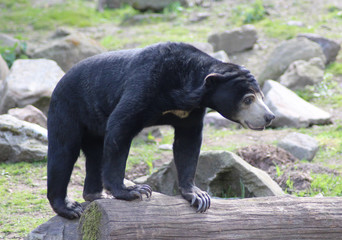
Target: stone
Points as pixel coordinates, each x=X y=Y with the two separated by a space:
x=291 y=110
x=57 y=228
x=154 y=5
x=330 y=47
x=221 y=174
x=300 y=145
x=21 y=140
x=221 y=55
x=30 y=81
x=303 y=73
x=198 y=17
x=141 y=5
x=68 y=50
x=29 y=114
x=149 y=135
x=165 y=147
x=101 y=4
x=236 y=40
x=204 y=47
x=295 y=23
x=286 y=53
x=8 y=41
x=218 y=121
x=3 y=70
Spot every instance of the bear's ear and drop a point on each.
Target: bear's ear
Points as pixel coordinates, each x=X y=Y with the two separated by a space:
x=213 y=78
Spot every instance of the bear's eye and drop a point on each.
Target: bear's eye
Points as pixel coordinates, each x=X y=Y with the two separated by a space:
x=248 y=100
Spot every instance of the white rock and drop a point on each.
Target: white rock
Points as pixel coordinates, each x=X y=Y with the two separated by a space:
x=221 y=55
x=30 y=81
x=29 y=114
x=291 y=110
x=21 y=140
x=218 y=121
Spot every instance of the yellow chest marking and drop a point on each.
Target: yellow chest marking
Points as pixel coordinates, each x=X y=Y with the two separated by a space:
x=178 y=113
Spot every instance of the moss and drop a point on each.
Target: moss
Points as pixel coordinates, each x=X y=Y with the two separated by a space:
x=90 y=222
x=12 y=130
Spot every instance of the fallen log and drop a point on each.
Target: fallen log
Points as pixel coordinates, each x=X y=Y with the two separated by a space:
x=165 y=217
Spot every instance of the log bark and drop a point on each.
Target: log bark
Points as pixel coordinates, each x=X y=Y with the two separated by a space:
x=165 y=217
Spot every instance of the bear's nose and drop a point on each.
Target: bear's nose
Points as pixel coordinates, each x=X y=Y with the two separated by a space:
x=269 y=117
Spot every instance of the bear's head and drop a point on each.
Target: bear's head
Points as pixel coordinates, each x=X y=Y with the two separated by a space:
x=236 y=95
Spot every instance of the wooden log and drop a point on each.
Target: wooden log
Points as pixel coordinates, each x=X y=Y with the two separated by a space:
x=165 y=217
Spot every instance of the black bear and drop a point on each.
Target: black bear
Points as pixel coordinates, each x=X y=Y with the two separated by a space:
x=105 y=100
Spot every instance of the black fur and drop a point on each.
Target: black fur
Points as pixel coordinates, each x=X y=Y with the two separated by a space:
x=105 y=100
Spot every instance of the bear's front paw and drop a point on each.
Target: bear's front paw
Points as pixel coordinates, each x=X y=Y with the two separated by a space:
x=197 y=198
x=133 y=192
x=67 y=208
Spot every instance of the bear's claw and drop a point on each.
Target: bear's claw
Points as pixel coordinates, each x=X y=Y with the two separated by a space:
x=197 y=198
x=68 y=208
x=138 y=190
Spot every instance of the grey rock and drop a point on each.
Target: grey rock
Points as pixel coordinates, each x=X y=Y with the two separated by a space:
x=141 y=5
x=57 y=228
x=102 y=4
x=220 y=174
x=8 y=41
x=295 y=23
x=31 y=81
x=204 y=47
x=30 y=114
x=154 y=5
x=286 y=53
x=218 y=121
x=236 y=40
x=300 y=145
x=330 y=47
x=165 y=147
x=21 y=140
x=197 y=17
x=149 y=134
x=303 y=73
x=3 y=70
x=68 y=50
x=291 y=110
x=221 y=55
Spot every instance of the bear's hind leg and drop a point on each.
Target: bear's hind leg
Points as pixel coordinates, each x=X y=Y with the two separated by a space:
x=92 y=148
x=63 y=151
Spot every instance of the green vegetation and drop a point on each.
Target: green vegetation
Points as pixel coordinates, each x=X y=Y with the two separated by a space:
x=75 y=13
x=326 y=92
x=324 y=184
x=10 y=54
x=22 y=191
x=243 y=14
x=278 y=28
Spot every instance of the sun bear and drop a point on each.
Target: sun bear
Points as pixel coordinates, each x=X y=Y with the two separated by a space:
x=104 y=101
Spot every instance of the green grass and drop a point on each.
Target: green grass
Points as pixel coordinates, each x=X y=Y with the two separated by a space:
x=328 y=92
x=334 y=68
x=245 y=14
x=138 y=36
x=22 y=192
x=278 y=28
x=73 y=13
x=325 y=184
